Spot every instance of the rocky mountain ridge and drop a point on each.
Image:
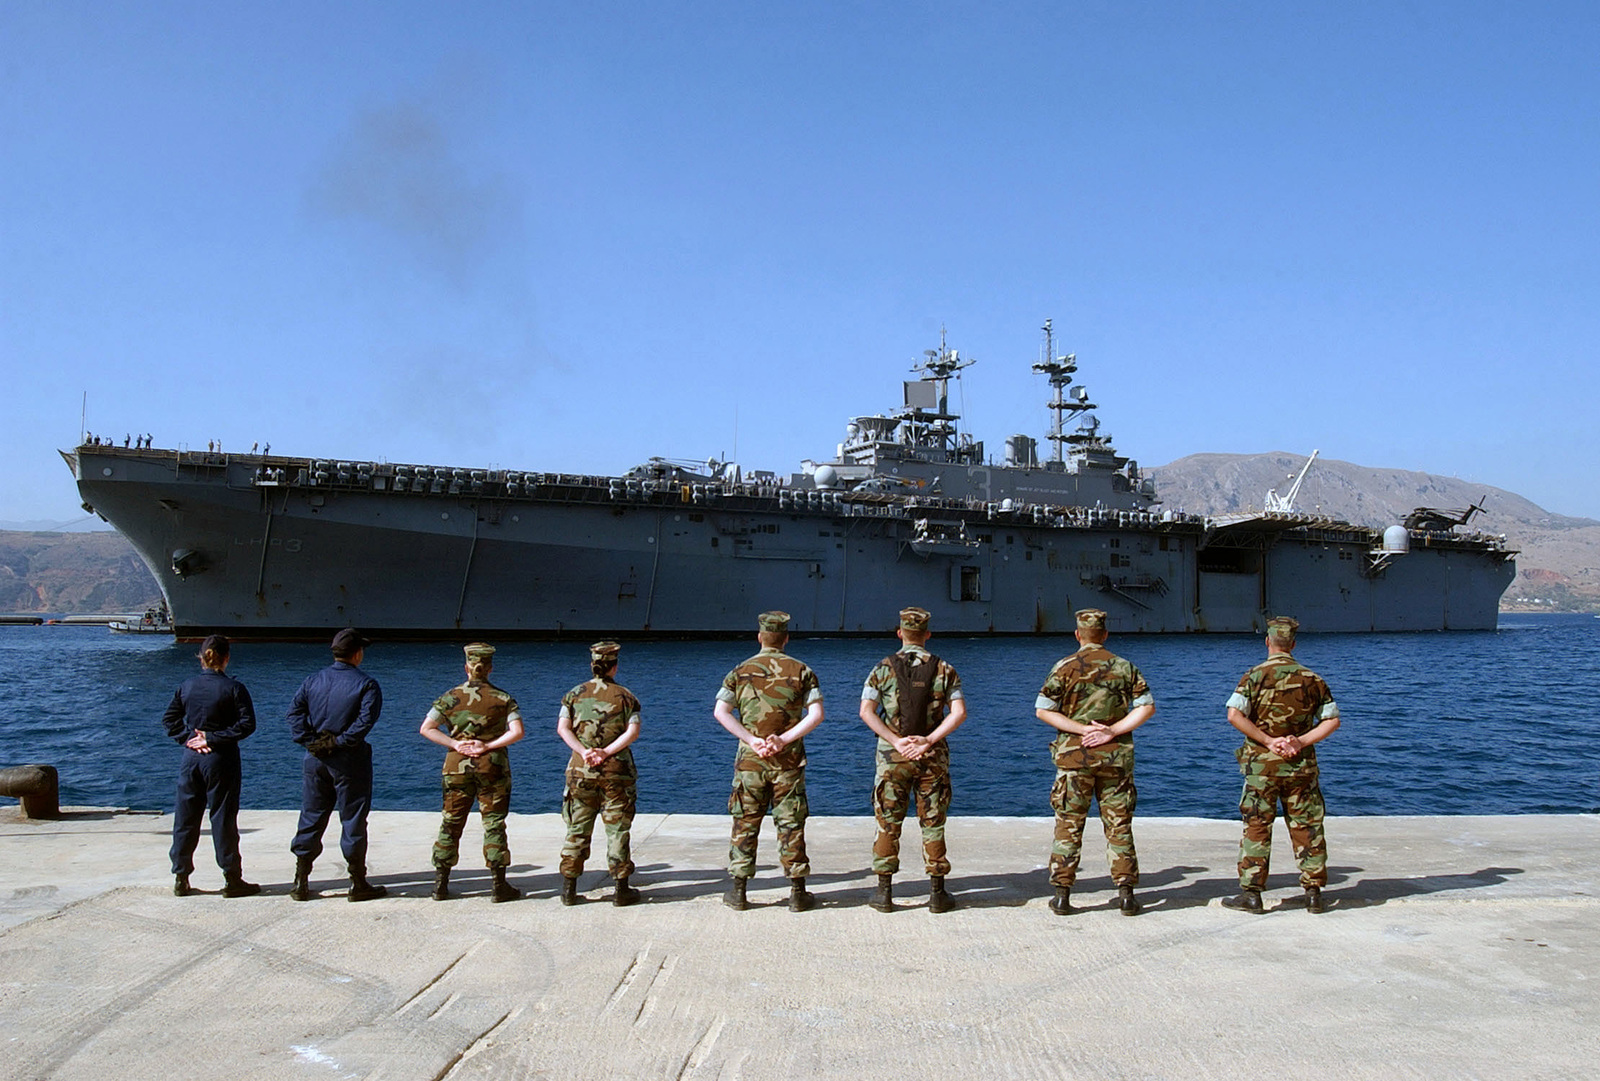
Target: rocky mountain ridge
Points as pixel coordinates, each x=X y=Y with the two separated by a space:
x=73 y=573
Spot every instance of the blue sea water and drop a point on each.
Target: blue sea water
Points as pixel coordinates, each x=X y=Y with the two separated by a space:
x=1493 y=722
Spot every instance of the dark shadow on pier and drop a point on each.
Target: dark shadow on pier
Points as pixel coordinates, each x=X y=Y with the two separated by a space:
x=1163 y=889
x=1343 y=890
x=1376 y=891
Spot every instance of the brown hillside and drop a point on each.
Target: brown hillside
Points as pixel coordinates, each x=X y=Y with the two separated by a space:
x=73 y=573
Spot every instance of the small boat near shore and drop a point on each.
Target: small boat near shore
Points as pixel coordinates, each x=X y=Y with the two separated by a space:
x=156 y=620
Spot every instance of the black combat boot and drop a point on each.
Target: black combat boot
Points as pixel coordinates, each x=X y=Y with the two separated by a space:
x=1126 y=901
x=734 y=898
x=503 y=891
x=799 y=899
x=301 y=889
x=1248 y=901
x=1059 y=903
x=234 y=885
x=360 y=888
x=624 y=895
x=883 y=896
x=938 y=899
x=180 y=886
x=569 y=890
x=1314 y=903
x=441 y=883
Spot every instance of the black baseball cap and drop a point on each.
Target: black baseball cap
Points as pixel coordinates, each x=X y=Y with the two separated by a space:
x=349 y=641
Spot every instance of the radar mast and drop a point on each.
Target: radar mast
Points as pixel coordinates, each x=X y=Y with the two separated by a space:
x=926 y=420
x=1060 y=370
x=940 y=364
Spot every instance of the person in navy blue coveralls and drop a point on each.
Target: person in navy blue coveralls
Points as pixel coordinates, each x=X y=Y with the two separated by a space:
x=209 y=715
x=333 y=711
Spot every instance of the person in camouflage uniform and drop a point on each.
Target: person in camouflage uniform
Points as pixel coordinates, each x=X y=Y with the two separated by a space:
x=599 y=720
x=1283 y=708
x=476 y=722
x=922 y=703
x=1095 y=699
x=769 y=703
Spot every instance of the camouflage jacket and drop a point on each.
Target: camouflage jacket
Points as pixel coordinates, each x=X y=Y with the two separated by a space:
x=883 y=688
x=771 y=691
x=1092 y=685
x=1282 y=697
x=600 y=711
x=476 y=710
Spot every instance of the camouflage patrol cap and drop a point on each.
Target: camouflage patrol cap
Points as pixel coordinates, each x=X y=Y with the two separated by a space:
x=774 y=621
x=1091 y=619
x=602 y=651
x=479 y=651
x=1282 y=628
x=914 y=619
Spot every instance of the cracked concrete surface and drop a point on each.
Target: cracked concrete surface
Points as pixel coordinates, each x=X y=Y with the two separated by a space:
x=1453 y=947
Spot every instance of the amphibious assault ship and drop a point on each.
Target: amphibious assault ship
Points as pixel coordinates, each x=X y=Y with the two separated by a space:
x=909 y=510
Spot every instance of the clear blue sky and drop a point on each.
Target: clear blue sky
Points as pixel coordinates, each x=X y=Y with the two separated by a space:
x=572 y=236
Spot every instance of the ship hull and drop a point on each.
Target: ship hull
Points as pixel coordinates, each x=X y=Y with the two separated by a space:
x=292 y=562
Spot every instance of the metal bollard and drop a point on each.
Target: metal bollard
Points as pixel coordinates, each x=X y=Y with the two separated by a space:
x=38 y=787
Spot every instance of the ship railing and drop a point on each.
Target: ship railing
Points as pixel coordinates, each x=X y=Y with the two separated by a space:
x=1150 y=583
x=1339 y=533
x=209 y=463
x=1432 y=538
x=425 y=480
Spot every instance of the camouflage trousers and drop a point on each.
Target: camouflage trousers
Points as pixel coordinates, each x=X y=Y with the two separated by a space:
x=494 y=800
x=754 y=792
x=927 y=780
x=1112 y=786
x=1301 y=795
x=614 y=798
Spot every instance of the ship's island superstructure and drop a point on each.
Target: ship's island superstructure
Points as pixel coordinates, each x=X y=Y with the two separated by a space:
x=909 y=511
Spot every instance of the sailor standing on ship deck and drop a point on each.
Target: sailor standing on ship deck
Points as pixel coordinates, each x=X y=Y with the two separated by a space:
x=333 y=711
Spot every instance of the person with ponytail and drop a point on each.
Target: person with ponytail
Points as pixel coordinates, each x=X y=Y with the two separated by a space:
x=599 y=720
x=209 y=714
x=475 y=722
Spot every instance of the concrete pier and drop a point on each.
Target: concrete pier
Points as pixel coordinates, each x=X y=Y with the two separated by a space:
x=1453 y=947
